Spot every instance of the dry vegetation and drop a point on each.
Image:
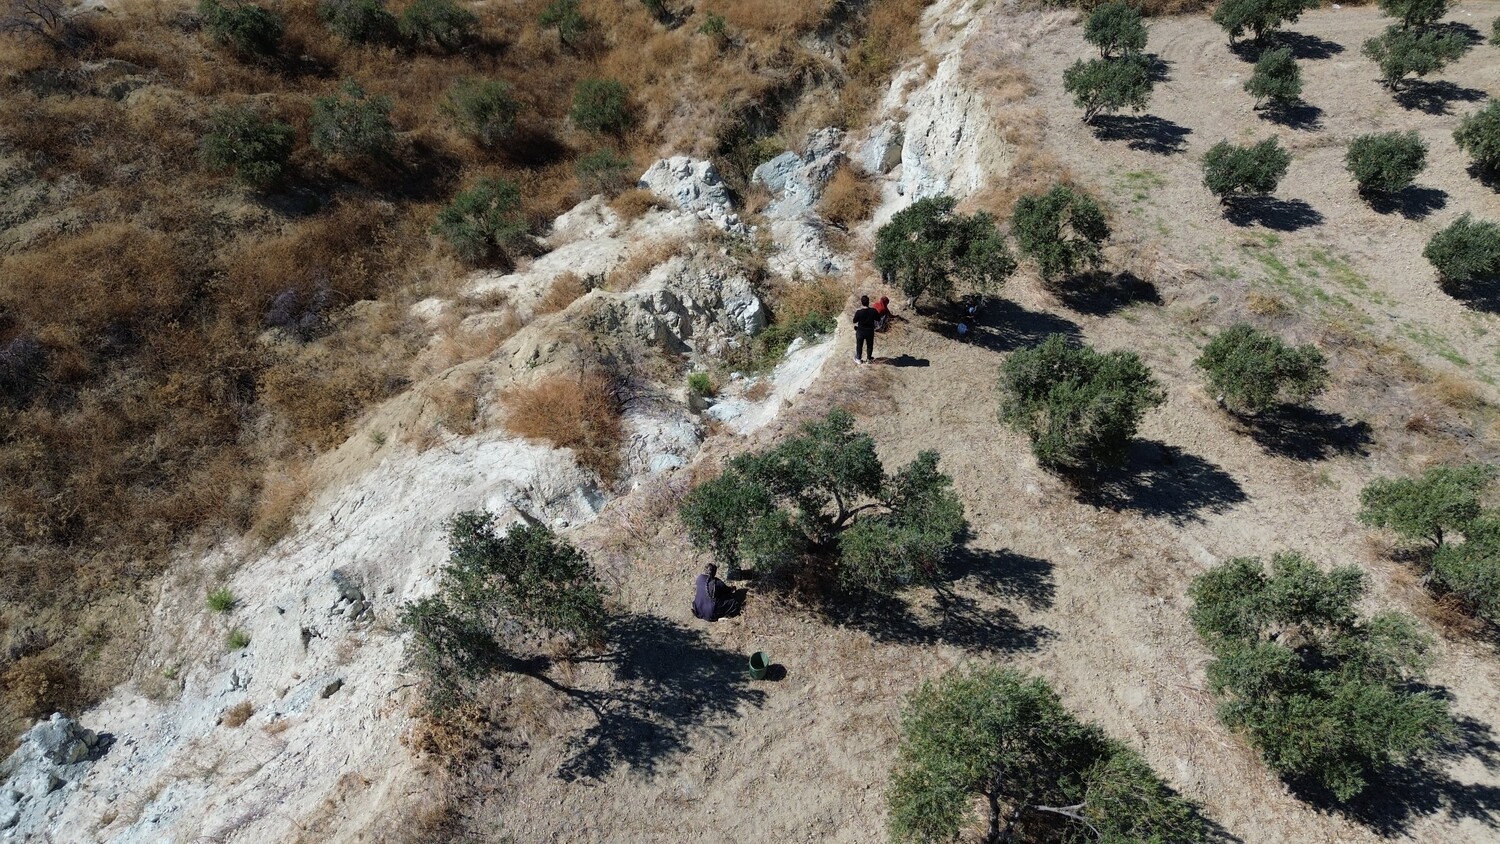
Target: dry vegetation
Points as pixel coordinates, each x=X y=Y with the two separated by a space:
x=579 y=413
x=170 y=340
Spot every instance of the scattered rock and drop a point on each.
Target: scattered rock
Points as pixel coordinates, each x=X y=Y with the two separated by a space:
x=331 y=688
x=695 y=186
x=348 y=589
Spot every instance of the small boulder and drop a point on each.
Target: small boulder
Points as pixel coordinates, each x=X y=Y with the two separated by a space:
x=348 y=588
x=331 y=688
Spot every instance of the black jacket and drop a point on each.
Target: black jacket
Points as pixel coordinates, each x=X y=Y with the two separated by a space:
x=865 y=319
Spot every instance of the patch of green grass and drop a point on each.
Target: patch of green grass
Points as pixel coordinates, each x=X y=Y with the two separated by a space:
x=1434 y=342
x=237 y=639
x=221 y=600
x=1138 y=184
x=700 y=384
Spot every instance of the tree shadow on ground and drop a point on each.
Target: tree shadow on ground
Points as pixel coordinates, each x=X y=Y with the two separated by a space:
x=1435 y=96
x=1304 y=46
x=1479 y=294
x=958 y=620
x=670 y=682
x=1304 y=116
x=1412 y=202
x=1162 y=481
x=1004 y=326
x=1308 y=434
x=1146 y=133
x=1403 y=794
x=1283 y=215
x=1101 y=293
x=1158 y=69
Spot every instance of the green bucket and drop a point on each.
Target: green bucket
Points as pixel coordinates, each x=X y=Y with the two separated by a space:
x=759 y=664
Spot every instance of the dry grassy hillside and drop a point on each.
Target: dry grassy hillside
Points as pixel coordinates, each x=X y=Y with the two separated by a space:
x=175 y=346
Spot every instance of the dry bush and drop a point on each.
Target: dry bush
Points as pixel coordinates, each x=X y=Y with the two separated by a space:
x=582 y=414
x=37 y=685
x=1261 y=304
x=795 y=301
x=459 y=341
x=887 y=36
x=564 y=291
x=281 y=497
x=643 y=257
x=456 y=401
x=849 y=198
x=635 y=203
x=237 y=715
x=1452 y=391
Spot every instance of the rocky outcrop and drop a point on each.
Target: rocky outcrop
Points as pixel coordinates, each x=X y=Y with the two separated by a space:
x=694 y=186
x=796 y=183
x=53 y=757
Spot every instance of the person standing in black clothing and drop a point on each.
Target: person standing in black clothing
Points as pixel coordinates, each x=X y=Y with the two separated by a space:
x=865 y=319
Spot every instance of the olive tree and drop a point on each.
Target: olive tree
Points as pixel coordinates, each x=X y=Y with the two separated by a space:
x=1061 y=230
x=501 y=586
x=601 y=106
x=1258 y=17
x=438 y=25
x=1402 y=52
x=1230 y=170
x=1428 y=507
x=1467 y=251
x=930 y=249
x=1043 y=775
x=1329 y=699
x=254 y=148
x=1415 y=13
x=1470 y=569
x=1478 y=134
x=249 y=29
x=825 y=495
x=1116 y=29
x=1276 y=79
x=359 y=21
x=1251 y=371
x=1385 y=162
x=1109 y=85
x=1079 y=408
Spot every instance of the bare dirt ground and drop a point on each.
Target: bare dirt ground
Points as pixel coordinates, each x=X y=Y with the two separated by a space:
x=667 y=741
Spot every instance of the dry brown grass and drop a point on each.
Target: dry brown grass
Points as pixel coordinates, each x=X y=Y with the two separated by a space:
x=643 y=257
x=282 y=494
x=635 y=203
x=564 y=291
x=456 y=400
x=36 y=685
x=849 y=198
x=237 y=715
x=582 y=414
x=794 y=301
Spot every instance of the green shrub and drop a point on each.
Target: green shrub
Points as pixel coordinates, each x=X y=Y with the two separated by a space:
x=359 y=21
x=882 y=531
x=501 y=589
x=700 y=384
x=658 y=10
x=604 y=171
x=927 y=248
x=1258 y=16
x=484 y=108
x=1428 y=507
x=1061 y=230
x=1385 y=162
x=485 y=222
x=600 y=106
x=1006 y=737
x=1405 y=52
x=254 y=148
x=438 y=25
x=1495 y=32
x=564 y=16
x=1276 y=79
x=1415 y=13
x=715 y=27
x=221 y=600
x=250 y=29
x=1230 y=170
x=1108 y=85
x=1329 y=699
x=1467 y=250
x=1115 y=28
x=1471 y=569
x=1478 y=134
x=352 y=124
x=237 y=640
x=1253 y=372
x=1079 y=408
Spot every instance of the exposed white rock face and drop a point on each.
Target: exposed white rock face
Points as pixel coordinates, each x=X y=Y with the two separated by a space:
x=880 y=151
x=796 y=372
x=694 y=186
x=37 y=778
x=796 y=183
x=659 y=438
x=949 y=144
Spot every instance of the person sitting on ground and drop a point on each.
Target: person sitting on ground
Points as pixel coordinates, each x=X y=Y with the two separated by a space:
x=883 y=310
x=714 y=598
x=864 y=331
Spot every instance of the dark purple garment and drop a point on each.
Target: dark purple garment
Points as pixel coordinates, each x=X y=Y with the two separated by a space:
x=704 y=605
